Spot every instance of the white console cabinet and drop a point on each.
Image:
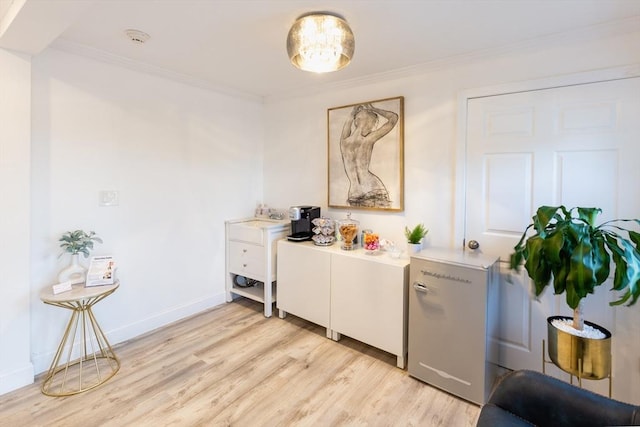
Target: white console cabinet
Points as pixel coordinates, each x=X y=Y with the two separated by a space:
x=349 y=292
x=251 y=253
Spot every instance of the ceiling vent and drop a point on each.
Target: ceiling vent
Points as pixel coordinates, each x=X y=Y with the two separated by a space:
x=137 y=36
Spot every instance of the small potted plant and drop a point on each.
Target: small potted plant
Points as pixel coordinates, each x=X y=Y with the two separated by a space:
x=76 y=242
x=414 y=237
x=574 y=253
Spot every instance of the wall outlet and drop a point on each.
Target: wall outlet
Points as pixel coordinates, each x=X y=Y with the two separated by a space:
x=108 y=198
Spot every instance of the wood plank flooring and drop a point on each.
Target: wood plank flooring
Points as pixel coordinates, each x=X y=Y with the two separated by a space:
x=231 y=366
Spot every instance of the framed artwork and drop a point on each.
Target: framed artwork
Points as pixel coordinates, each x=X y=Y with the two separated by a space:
x=366 y=155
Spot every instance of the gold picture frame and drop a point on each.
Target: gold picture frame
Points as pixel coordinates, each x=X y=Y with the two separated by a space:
x=366 y=155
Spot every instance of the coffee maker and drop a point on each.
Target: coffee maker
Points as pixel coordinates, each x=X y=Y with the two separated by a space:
x=301 y=225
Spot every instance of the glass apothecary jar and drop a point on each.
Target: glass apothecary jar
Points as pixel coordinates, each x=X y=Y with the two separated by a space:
x=348 y=229
x=370 y=242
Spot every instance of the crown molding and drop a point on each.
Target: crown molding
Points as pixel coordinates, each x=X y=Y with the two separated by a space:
x=109 y=58
x=604 y=30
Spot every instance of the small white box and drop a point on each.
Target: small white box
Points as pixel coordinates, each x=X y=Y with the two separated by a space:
x=62 y=287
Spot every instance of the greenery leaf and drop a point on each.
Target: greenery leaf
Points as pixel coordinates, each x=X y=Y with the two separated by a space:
x=560 y=278
x=572 y=297
x=543 y=217
x=567 y=247
x=589 y=215
x=416 y=234
x=581 y=278
x=538 y=269
x=601 y=261
x=78 y=241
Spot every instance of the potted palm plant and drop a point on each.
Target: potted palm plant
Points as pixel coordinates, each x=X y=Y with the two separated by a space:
x=414 y=237
x=569 y=250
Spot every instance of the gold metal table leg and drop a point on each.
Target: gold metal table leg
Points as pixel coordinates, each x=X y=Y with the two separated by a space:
x=90 y=359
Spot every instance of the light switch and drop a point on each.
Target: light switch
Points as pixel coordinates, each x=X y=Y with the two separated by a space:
x=108 y=198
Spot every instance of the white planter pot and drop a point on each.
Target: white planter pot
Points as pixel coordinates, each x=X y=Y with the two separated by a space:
x=414 y=248
x=75 y=273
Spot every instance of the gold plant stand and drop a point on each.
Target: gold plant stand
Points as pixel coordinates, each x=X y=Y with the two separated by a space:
x=96 y=362
x=584 y=358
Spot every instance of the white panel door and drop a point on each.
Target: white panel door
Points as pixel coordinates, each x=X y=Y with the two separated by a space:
x=575 y=145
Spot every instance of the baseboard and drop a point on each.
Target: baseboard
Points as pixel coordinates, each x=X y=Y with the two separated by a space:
x=17 y=378
x=42 y=361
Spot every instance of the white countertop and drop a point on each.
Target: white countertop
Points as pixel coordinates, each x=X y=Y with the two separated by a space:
x=380 y=256
x=260 y=222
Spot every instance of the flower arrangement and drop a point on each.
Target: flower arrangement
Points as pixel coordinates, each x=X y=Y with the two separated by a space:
x=78 y=241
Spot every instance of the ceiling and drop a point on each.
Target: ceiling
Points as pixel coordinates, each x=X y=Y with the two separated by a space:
x=239 y=46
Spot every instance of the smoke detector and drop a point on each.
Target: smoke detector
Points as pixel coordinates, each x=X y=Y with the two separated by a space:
x=137 y=36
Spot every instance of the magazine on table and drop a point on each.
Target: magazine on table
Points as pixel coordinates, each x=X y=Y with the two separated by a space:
x=101 y=271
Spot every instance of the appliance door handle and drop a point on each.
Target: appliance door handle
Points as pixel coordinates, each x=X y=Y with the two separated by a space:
x=420 y=287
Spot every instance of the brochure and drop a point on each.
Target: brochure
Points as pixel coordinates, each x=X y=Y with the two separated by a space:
x=101 y=271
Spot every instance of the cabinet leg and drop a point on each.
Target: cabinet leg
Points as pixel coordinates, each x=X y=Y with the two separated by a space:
x=334 y=335
x=401 y=362
x=282 y=314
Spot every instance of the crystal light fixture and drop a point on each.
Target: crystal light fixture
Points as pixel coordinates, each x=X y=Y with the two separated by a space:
x=320 y=42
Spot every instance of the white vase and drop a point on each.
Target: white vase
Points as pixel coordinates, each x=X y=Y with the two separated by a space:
x=414 y=248
x=75 y=273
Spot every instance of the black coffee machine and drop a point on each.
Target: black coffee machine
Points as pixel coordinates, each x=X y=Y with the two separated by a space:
x=301 y=226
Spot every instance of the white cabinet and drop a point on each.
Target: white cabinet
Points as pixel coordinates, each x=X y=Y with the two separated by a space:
x=369 y=301
x=452 y=320
x=348 y=292
x=303 y=282
x=251 y=253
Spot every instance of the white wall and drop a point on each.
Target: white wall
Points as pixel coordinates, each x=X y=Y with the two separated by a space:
x=298 y=125
x=15 y=105
x=182 y=159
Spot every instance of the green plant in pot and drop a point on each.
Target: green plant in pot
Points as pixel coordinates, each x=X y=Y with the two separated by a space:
x=76 y=242
x=414 y=237
x=416 y=234
x=574 y=254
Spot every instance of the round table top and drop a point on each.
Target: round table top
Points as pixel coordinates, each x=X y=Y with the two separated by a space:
x=78 y=293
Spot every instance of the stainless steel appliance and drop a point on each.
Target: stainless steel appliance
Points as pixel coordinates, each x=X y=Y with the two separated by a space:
x=453 y=315
x=301 y=225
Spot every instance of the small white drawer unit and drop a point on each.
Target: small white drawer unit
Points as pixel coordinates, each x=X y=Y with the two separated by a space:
x=251 y=254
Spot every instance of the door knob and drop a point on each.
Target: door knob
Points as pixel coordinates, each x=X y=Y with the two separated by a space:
x=473 y=244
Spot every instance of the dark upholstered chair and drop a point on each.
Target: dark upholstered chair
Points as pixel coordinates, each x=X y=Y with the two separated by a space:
x=526 y=398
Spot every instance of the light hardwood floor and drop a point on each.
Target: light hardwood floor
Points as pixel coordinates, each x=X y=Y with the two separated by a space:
x=231 y=366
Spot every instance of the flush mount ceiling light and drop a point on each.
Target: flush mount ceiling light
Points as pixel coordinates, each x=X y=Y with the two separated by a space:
x=320 y=42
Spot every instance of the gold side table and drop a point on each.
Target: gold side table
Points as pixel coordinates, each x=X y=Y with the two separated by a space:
x=88 y=359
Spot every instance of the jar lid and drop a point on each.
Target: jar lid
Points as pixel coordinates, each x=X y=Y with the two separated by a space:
x=349 y=220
